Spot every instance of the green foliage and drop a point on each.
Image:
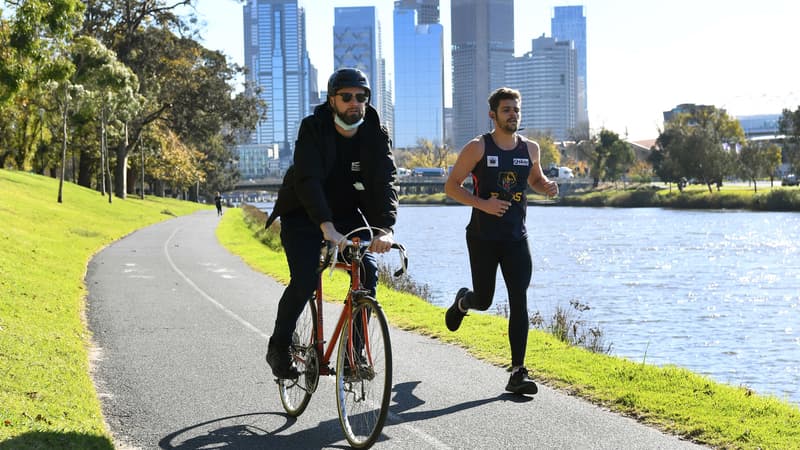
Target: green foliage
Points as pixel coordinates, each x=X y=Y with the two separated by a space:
x=777 y=199
x=699 y=144
x=426 y=154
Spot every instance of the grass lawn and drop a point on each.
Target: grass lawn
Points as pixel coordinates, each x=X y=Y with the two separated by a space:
x=47 y=399
x=671 y=398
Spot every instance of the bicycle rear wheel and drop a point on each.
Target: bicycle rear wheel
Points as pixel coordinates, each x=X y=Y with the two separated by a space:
x=364 y=374
x=295 y=394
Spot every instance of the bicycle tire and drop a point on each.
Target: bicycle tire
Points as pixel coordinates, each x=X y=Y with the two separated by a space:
x=295 y=394
x=362 y=395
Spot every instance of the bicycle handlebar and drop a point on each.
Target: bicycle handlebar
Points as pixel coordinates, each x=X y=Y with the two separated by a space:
x=331 y=249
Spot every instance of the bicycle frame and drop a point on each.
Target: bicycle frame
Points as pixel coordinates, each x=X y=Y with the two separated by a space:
x=354 y=268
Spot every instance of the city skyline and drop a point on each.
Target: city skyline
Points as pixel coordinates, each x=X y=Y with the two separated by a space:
x=643 y=57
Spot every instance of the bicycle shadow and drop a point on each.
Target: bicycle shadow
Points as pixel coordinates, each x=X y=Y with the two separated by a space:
x=253 y=430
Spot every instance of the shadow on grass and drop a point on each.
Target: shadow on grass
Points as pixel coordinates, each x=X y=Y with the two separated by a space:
x=46 y=440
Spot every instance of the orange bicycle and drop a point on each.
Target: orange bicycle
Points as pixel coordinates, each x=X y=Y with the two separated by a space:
x=363 y=368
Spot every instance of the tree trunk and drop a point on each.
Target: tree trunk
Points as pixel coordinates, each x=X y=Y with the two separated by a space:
x=85 y=166
x=63 y=155
x=120 y=172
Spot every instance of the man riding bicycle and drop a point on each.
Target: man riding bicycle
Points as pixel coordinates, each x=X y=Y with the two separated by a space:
x=343 y=167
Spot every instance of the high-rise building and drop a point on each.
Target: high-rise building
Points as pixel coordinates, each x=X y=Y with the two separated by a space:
x=419 y=78
x=276 y=56
x=427 y=10
x=482 y=41
x=546 y=77
x=357 y=43
x=569 y=24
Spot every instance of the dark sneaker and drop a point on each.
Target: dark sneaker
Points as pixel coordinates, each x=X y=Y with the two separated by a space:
x=454 y=316
x=281 y=364
x=519 y=383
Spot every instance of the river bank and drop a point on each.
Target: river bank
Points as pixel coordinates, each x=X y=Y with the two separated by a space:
x=743 y=197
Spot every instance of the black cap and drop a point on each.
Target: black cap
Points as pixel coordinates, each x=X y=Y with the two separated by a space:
x=348 y=77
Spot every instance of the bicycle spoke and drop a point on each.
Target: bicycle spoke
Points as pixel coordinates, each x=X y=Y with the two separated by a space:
x=364 y=368
x=295 y=394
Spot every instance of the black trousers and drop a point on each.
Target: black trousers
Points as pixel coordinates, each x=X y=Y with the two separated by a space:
x=302 y=242
x=514 y=259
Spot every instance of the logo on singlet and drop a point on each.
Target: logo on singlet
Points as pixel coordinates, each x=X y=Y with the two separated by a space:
x=492 y=161
x=521 y=162
x=507 y=180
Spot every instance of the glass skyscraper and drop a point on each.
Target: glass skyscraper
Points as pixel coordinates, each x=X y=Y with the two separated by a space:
x=546 y=78
x=419 y=79
x=276 y=56
x=427 y=10
x=569 y=24
x=482 y=42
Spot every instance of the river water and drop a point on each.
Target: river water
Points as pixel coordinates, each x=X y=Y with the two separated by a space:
x=716 y=292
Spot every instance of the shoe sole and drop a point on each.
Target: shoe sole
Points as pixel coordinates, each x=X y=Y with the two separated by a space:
x=523 y=390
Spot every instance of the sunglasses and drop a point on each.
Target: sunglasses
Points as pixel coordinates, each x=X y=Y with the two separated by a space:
x=360 y=98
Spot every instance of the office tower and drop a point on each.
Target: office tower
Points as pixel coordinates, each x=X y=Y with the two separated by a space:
x=482 y=42
x=569 y=24
x=357 y=43
x=427 y=10
x=276 y=56
x=419 y=79
x=547 y=80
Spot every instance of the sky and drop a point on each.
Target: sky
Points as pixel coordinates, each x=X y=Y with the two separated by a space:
x=644 y=57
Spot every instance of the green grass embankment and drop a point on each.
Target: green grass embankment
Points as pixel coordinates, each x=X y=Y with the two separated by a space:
x=694 y=197
x=47 y=399
x=670 y=398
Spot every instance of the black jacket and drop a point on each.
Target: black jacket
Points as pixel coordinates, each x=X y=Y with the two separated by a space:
x=314 y=157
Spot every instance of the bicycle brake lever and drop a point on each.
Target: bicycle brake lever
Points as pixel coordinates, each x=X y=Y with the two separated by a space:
x=403 y=259
x=334 y=259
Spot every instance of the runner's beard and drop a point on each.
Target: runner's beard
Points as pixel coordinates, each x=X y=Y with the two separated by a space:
x=511 y=127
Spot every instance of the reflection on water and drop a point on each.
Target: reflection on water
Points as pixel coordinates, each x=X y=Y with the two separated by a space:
x=712 y=291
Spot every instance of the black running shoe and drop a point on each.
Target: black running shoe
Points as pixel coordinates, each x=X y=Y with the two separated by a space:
x=520 y=383
x=454 y=316
x=281 y=363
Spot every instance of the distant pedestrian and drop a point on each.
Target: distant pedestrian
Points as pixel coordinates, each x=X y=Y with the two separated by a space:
x=501 y=163
x=218 y=202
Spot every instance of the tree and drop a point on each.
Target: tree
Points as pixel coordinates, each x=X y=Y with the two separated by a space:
x=754 y=162
x=548 y=153
x=789 y=126
x=111 y=98
x=620 y=157
x=129 y=27
x=32 y=41
x=665 y=166
x=27 y=39
x=428 y=155
x=699 y=144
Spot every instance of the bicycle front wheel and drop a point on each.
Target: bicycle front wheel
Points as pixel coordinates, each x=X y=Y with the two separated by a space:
x=295 y=394
x=364 y=373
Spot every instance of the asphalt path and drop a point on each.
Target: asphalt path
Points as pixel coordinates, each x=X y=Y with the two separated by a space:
x=180 y=327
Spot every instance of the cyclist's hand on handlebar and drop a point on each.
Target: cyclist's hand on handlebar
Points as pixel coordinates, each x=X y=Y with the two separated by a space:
x=330 y=234
x=382 y=243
